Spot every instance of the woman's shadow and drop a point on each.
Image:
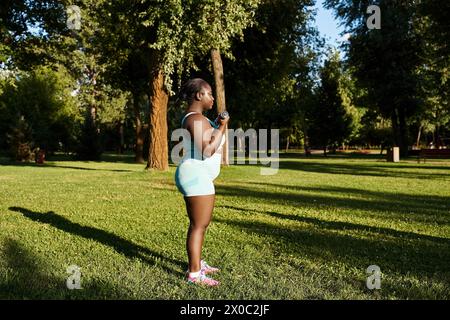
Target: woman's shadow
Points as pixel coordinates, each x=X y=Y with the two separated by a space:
x=121 y=245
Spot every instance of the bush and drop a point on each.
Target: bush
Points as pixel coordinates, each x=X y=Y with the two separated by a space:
x=20 y=142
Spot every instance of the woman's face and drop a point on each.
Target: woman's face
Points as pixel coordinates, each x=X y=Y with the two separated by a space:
x=207 y=97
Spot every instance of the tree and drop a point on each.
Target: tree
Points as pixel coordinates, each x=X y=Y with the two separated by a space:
x=385 y=61
x=434 y=30
x=331 y=122
x=39 y=110
x=24 y=30
x=219 y=22
x=270 y=79
x=170 y=34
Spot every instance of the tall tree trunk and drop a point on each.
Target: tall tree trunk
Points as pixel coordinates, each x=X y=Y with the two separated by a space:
x=305 y=135
x=399 y=130
x=438 y=137
x=220 y=95
x=121 y=138
x=395 y=128
x=418 y=136
x=158 y=156
x=306 y=144
x=93 y=113
x=139 y=149
x=403 y=132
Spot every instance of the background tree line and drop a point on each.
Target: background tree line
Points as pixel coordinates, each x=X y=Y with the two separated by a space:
x=111 y=85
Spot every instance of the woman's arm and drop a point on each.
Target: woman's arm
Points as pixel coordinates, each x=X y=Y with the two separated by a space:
x=206 y=138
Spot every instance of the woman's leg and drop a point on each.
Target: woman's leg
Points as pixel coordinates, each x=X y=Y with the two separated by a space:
x=199 y=209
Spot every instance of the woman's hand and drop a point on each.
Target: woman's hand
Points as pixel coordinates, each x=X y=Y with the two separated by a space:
x=223 y=122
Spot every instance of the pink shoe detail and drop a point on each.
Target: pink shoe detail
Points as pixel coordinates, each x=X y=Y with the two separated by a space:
x=207 y=269
x=202 y=279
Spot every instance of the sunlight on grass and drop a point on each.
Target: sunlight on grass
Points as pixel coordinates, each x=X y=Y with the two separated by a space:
x=308 y=232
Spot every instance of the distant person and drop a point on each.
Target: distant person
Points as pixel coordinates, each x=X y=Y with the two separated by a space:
x=40 y=156
x=196 y=172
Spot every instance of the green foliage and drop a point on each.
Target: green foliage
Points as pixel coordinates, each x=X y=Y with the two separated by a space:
x=331 y=120
x=271 y=58
x=20 y=141
x=267 y=81
x=385 y=61
x=24 y=30
x=89 y=144
x=168 y=35
x=374 y=131
x=433 y=28
x=43 y=100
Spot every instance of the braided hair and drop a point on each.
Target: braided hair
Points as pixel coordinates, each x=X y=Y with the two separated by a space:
x=191 y=88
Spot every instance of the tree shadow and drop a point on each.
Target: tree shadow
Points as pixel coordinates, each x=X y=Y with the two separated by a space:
x=121 y=245
x=413 y=202
x=357 y=156
x=27 y=280
x=362 y=170
x=421 y=209
x=418 y=258
x=341 y=225
x=320 y=156
x=30 y=278
x=49 y=165
x=127 y=157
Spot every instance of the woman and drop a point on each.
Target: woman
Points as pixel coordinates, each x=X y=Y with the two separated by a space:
x=196 y=172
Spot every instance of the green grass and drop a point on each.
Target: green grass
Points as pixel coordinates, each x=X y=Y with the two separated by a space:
x=308 y=232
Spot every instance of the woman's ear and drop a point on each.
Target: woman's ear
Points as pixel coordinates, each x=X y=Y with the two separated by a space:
x=198 y=96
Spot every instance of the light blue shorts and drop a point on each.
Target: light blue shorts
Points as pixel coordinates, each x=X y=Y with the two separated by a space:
x=193 y=178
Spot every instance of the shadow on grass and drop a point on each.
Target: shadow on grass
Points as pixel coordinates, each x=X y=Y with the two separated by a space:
x=105 y=157
x=354 y=155
x=365 y=170
x=338 y=155
x=340 y=225
x=50 y=165
x=121 y=245
x=411 y=202
x=31 y=278
x=419 y=258
x=415 y=208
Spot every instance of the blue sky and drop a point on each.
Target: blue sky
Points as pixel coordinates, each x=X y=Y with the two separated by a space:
x=328 y=26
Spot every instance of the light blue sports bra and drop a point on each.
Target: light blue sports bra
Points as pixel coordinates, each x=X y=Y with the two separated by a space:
x=189 y=146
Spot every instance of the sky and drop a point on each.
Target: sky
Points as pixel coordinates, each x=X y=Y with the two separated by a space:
x=328 y=26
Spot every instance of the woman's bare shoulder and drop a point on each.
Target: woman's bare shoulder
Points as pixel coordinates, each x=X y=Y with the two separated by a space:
x=199 y=118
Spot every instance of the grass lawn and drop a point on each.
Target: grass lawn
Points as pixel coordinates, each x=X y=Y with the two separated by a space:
x=308 y=232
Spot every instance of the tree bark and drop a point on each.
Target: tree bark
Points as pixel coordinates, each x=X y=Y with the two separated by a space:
x=139 y=149
x=418 y=136
x=158 y=157
x=399 y=130
x=403 y=134
x=395 y=129
x=220 y=95
x=305 y=136
x=121 y=138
